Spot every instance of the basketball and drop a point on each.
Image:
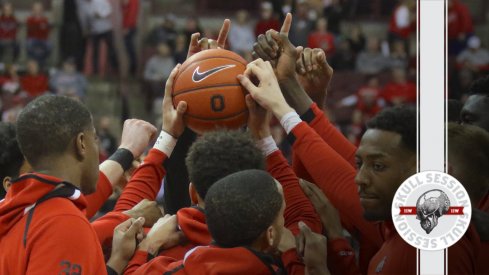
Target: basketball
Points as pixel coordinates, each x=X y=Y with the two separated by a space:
x=215 y=98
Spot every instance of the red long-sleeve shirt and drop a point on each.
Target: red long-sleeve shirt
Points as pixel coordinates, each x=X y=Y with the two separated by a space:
x=53 y=237
x=298 y=208
x=398 y=257
x=98 y=198
x=312 y=161
x=145 y=182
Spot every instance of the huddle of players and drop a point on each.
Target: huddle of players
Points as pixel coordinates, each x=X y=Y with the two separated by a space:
x=252 y=213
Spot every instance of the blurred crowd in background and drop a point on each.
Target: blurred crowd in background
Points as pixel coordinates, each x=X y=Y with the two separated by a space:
x=69 y=47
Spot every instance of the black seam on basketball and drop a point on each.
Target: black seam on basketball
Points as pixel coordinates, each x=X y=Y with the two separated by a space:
x=205 y=87
x=223 y=57
x=222 y=118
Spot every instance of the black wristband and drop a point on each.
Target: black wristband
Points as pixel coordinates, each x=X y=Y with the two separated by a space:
x=124 y=157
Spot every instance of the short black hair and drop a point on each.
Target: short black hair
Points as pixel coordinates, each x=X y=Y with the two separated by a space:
x=48 y=124
x=401 y=120
x=470 y=146
x=217 y=154
x=11 y=159
x=480 y=86
x=241 y=206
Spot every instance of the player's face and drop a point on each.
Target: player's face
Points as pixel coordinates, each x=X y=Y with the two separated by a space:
x=476 y=111
x=383 y=164
x=90 y=171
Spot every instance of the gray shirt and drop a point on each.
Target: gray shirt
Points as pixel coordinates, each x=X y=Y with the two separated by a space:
x=94 y=16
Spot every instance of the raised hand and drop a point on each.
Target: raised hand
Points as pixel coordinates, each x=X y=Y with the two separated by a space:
x=258 y=120
x=136 y=134
x=197 y=45
x=147 y=209
x=314 y=73
x=276 y=47
x=267 y=93
x=163 y=234
x=124 y=243
x=327 y=212
x=173 y=122
x=313 y=249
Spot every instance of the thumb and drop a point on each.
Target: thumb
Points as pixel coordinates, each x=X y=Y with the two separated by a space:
x=299 y=50
x=246 y=82
x=135 y=227
x=181 y=108
x=305 y=229
x=284 y=43
x=250 y=102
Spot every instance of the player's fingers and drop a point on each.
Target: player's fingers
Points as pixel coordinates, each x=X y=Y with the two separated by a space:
x=265 y=46
x=169 y=83
x=250 y=103
x=223 y=33
x=273 y=44
x=212 y=44
x=181 y=107
x=260 y=52
x=204 y=43
x=135 y=227
x=306 y=55
x=318 y=59
x=194 y=44
x=254 y=55
x=299 y=64
x=286 y=25
x=246 y=82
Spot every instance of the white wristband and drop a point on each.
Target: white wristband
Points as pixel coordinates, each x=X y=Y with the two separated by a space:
x=289 y=121
x=165 y=143
x=267 y=145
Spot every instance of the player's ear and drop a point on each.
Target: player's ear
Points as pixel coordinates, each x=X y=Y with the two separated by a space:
x=270 y=234
x=194 y=196
x=80 y=145
x=7 y=182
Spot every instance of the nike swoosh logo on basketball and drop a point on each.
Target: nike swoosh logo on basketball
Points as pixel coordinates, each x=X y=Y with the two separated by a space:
x=199 y=76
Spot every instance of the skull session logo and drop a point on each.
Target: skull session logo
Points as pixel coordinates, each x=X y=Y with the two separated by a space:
x=431 y=210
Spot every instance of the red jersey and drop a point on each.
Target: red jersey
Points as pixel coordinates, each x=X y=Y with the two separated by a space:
x=8 y=27
x=406 y=92
x=212 y=260
x=323 y=41
x=398 y=257
x=44 y=229
x=34 y=85
x=37 y=28
x=459 y=20
x=311 y=153
x=130 y=14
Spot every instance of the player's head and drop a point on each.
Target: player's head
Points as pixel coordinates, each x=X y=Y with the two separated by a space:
x=217 y=154
x=468 y=158
x=246 y=209
x=12 y=162
x=385 y=158
x=476 y=109
x=56 y=132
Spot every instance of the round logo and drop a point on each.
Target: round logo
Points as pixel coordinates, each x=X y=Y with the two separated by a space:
x=431 y=210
